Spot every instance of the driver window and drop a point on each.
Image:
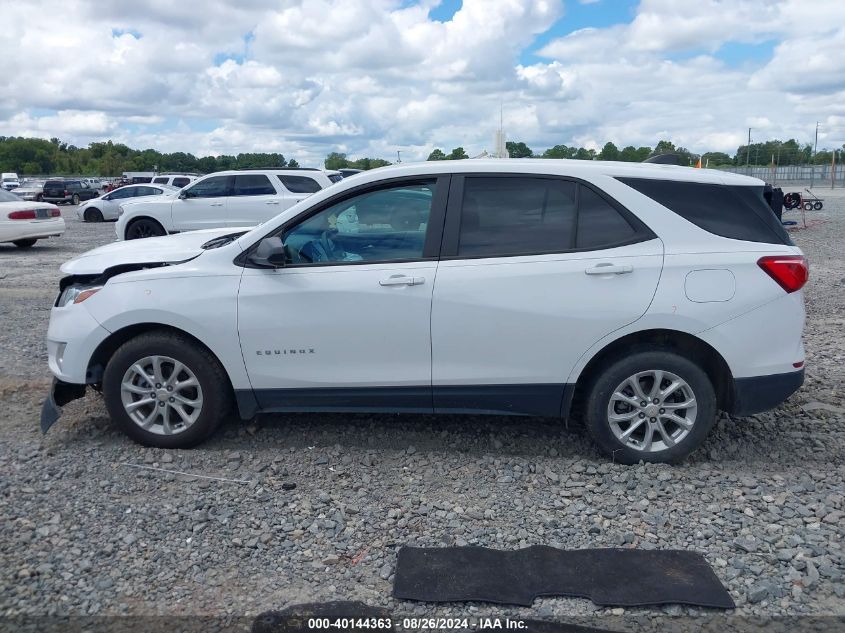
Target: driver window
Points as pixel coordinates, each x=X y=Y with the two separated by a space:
x=214 y=187
x=120 y=194
x=377 y=226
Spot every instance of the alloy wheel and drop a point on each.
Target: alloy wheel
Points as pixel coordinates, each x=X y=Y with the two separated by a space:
x=161 y=395
x=652 y=410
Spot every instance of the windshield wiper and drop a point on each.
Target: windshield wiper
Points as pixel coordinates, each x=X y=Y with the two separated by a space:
x=217 y=242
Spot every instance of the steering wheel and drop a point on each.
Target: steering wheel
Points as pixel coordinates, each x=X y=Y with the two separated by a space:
x=322 y=249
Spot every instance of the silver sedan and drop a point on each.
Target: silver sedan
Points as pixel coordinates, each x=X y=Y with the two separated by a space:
x=106 y=206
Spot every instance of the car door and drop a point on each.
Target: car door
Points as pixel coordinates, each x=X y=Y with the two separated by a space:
x=203 y=205
x=117 y=197
x=534 y=271
x=254 y=199
x=345 y=325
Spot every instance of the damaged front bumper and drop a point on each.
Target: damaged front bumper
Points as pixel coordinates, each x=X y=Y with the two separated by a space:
x=60 y=394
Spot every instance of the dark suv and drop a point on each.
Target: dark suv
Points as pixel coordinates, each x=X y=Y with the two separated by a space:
x=72 y=191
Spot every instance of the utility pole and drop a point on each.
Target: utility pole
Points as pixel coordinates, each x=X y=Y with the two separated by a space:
x=813 y=158
x=398 y=156
x=833 y=168
x=748 y=155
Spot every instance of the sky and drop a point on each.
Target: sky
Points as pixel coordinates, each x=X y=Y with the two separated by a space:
x=370 y=77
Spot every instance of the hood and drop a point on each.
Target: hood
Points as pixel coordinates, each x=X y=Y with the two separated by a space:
x=152 y=250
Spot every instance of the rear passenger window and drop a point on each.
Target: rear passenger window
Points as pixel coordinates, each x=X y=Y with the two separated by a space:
x=253 y=185
x=299 y=184
x=737 y=212
x=160 y=181
x=599 y=224
x=516 y=216
x=181 y=182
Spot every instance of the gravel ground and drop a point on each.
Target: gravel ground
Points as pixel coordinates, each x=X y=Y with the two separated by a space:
x=86 y=529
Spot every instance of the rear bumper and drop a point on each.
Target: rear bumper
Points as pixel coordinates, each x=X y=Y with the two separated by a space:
x=761 y=393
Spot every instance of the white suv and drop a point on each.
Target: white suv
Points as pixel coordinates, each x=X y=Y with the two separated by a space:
x=641 y=298
x=221 y=199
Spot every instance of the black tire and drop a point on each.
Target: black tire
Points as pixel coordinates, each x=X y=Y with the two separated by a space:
x=39 y=197
x=599 y=399
x=75 y=199
x=24 y=243
x=93 y=215
x=214 y=384
x=808 y=206
x=817 y=206
x=144 y=227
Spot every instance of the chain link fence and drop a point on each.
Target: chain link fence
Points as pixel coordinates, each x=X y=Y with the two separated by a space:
x=817 y=176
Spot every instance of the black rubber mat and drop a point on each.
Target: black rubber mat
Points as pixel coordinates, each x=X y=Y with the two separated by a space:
x=608 y=577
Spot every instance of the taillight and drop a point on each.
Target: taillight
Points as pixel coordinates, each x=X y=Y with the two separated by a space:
x=22 y=215
x=789 y=271
x=66 y=193
x=55 y=213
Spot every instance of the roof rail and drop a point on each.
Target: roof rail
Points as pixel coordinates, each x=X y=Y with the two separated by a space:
x=277 y=167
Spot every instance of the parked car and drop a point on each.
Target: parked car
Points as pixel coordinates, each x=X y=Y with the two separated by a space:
x=30 y=191
x=10 y=180
x=642 y=298
x=107 y=206
x=226 y=198
x=23 y=223
x=61 y=191
x=175 y=180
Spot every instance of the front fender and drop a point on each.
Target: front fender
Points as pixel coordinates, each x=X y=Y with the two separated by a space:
x=209 y=316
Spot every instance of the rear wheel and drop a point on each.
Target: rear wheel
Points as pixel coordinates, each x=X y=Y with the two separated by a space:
x=817 y=206
x=808 y=206
x=164 y=390
x=24 y=243
x=93 y=215
x=651 y=406
x=75 y=199
x=144 y=227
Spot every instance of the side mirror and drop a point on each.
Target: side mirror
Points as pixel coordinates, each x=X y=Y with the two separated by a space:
x=269 y=253
x=183 y=195
x=106 y=197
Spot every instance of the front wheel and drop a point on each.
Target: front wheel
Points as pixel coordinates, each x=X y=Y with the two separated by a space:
x=144 y=227
x=165 y=390
x=817 y=206
x=93 y=215
x=651 y=406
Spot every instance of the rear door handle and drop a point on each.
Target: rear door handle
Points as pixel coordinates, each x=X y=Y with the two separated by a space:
x=402 y=280
x=610 y=269
x=216 y=204
x=272 y=202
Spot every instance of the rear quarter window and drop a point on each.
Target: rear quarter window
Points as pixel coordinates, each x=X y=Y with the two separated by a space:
x=299 y=184
x=736 y=212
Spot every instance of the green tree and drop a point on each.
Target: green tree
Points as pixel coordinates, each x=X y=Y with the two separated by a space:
x=585 y=154
x=336 y=160
x=436 y=154
x=664 y=147
x=559 y=151
x=292 y=163
x=457 y=154
x=609 y=152
x=518 y=150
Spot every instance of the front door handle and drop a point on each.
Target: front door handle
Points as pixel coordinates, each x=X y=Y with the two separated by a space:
x=402 y=280
x=272 y=202
x=216 y=204
x=610 y=269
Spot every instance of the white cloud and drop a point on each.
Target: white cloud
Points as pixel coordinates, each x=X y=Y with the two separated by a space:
x=305 y=77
